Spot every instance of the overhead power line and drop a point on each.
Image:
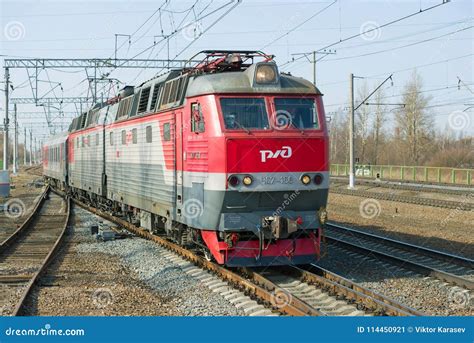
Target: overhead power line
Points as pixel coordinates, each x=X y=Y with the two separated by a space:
x=373 y=29
x=299 y=25
x=400 y=47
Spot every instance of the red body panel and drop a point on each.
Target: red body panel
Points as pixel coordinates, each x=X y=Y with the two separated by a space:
x=276 y=155
x=288 y=248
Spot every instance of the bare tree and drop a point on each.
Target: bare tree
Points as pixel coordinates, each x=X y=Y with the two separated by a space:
x=379 y=121
x=413 y=122
x=362 y=123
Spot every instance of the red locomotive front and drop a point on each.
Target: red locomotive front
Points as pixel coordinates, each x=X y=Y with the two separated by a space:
x=255 y=163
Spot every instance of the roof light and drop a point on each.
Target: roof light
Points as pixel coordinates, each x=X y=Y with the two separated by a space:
x=266 y=73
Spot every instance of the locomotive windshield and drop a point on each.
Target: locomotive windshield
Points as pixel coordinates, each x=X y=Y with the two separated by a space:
x=296 y=113
x=244 y=113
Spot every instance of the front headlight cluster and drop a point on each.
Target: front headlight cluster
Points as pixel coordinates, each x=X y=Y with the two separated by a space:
x=234 y=180
x=317 y=179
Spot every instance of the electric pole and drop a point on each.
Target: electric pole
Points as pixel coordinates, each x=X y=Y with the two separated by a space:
x=314 y=60
x=354 y=108
x=35 y=161
x=24 y=150
x=15 y=141
x=31 y=147
x=5 y=122
x=351 y=133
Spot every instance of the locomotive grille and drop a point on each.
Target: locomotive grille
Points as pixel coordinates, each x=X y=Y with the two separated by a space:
x=144 y=100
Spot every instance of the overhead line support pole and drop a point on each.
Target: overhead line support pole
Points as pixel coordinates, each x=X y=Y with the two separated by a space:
x=15 y=141
x=6 y=120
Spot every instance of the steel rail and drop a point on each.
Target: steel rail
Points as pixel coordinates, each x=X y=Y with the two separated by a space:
x=262 y=288
x=457 y=205
x=465 y=261
x=45 y=262
x=373 y=302
x=407 y=185
x=351 y=290
x=10 y=239
x=417 y=267
x=292 y=308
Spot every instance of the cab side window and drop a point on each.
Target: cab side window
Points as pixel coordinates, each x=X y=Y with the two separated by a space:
x=197 y=118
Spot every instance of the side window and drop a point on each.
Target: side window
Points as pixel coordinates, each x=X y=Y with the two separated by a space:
x=111 y=138
x=77 y=142
x=124 y=137
x=96 y=139
x=134 y=136
x=166 y=132
x=83 y=140
x=148 y=134
x=197 y=118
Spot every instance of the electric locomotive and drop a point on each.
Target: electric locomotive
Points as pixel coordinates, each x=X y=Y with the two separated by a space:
x=229 y=156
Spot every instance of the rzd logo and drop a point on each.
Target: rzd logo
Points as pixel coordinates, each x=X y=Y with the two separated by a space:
x=284 y=152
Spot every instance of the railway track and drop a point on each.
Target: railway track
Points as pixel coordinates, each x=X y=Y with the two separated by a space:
x=318 y=290
x=457 y=205
x=10 y=223
x=288 y=291
x=450 y=268
x=407 y=186
x=25 y=254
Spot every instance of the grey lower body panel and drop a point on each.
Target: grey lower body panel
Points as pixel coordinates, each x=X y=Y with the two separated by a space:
x=86 y=175
x=239 y=211
x=140 y=185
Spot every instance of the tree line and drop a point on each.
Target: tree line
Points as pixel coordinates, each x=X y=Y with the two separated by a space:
x=401 y=134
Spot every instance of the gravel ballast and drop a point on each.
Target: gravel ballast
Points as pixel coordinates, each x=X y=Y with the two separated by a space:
x=92 y=284
x=146 y=263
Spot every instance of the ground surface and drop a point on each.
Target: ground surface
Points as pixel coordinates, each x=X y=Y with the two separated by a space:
x=450 y=230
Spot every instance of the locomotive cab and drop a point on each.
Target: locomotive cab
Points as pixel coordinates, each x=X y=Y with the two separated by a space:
x=256 y=159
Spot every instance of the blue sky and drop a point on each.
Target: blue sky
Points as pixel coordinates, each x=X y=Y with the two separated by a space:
x=81 y=29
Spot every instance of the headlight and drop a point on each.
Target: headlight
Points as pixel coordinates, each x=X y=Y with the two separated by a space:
x=265 y=74
x=306 y=179
x=247 y=180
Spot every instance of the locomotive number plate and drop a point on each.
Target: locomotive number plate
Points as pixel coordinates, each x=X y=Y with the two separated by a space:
x=270 y=180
